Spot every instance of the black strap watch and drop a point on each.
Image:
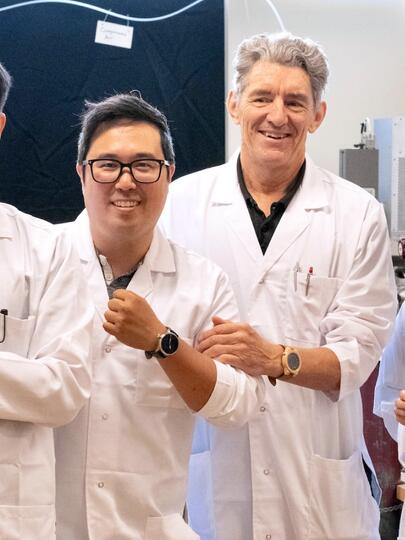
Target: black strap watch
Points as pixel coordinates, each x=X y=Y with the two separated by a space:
x=167 y=345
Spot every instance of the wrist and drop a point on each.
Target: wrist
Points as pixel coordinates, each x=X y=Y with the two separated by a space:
x=276 y=369
x=153 y=338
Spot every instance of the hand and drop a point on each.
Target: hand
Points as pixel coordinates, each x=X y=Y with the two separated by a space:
x=131 y=320
x=400 y=408
x=241 y=346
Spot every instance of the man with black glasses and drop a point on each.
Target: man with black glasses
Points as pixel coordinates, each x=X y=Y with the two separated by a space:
x=122 y=464
x=45 y=326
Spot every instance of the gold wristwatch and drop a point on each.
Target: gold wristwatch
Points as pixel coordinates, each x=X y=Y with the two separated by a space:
x=291 y=364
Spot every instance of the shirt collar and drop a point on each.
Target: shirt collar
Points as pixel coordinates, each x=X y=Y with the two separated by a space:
x=289 y=194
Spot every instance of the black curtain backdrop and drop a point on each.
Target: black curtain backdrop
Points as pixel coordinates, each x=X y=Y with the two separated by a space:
x=177 y=64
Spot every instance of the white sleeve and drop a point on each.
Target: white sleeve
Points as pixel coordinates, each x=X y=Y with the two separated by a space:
x=235 y=399
x=236 y=396
x=50 y=382
x=391 y=375
x=359 y=322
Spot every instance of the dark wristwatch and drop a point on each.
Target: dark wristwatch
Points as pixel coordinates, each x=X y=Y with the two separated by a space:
x=168 y=343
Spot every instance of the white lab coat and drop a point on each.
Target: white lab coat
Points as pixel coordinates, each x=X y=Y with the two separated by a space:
x=122 y=464
x=295 y=472
x=44 y=380
x=391 y=380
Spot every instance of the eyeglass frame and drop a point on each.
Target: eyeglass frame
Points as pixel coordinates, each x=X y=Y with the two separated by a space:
x=129 y=165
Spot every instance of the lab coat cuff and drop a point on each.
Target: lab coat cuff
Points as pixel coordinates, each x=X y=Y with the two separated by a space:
x=222 y=393
x=349 y=382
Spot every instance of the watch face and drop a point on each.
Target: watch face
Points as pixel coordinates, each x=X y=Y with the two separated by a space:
x=169 y=343
x=293 y=361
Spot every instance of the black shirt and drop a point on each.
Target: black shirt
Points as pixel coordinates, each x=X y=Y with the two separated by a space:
x=265 y=226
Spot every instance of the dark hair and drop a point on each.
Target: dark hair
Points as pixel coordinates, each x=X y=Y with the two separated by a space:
x=122 y=107
x=287 y=50
x=5 y=85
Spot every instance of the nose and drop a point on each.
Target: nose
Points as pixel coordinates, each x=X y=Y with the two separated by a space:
x=276 y=113
x=126 y=181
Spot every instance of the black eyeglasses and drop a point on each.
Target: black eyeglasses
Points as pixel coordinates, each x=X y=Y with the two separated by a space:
x=108 y=171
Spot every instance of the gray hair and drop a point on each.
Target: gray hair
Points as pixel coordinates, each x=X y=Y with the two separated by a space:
x=122 y=108
x=287 y=50
x=5 y=85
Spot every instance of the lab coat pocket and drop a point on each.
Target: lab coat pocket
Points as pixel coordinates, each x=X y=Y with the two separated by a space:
x=171 y=527
x=154 y=388
x=341 y=506
x=17 y=334
x=27 y=522
x=308 y=300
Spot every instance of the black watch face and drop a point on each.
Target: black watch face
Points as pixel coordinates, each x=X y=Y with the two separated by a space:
x=169 y=344
x=293 y=361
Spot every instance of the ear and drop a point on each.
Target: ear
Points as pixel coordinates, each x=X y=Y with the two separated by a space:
x=232 y=105
x=2 y=122
x=80 y=172
x=170 y=172
x=318 y=118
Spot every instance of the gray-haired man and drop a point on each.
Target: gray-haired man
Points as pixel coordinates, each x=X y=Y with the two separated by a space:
x=308 y=256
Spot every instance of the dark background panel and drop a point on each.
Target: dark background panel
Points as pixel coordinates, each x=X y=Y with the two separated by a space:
x=177 y=64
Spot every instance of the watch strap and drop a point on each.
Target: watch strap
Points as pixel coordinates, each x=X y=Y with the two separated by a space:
x=158 y=352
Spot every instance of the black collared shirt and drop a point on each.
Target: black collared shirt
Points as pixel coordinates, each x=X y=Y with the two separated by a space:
x=265 y=226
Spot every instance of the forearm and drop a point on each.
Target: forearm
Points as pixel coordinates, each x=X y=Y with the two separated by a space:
x=320 y=370
x=192 y=374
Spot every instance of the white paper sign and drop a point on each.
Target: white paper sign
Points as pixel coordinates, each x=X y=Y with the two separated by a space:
x=117 y=35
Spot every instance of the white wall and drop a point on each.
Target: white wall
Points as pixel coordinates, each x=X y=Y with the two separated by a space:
x=365 y=44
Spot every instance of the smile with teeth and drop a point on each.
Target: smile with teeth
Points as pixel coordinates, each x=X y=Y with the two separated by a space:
x=276 y=136
x=125 y=203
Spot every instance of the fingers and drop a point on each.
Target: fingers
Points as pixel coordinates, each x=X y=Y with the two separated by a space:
x=124 y=294
x=222 y=328
x=110 y=328
x=218 y=342
x=217 y=320
x=111 y=316
x=400 y=408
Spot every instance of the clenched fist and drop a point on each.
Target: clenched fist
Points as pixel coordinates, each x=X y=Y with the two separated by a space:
x=131 y=320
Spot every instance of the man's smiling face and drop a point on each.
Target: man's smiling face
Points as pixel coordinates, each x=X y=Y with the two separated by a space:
x=275 y=111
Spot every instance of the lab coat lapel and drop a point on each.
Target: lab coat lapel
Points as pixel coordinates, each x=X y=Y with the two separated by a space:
x=234 y=212
x=296 y=219
x=90 y=263
x=159 y=258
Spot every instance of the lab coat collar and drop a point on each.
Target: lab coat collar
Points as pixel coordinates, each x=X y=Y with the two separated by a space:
x=83 y=239
x=311 y=195
x=6 y=211
x=160 y=254
x=159 y=258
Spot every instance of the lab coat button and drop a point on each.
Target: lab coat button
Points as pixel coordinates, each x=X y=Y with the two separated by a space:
x=261 y=281
x=107 y=348
x=100 y=484
x=268 y=536
x=104 y=416
x=266 y=471
x=262 y=409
